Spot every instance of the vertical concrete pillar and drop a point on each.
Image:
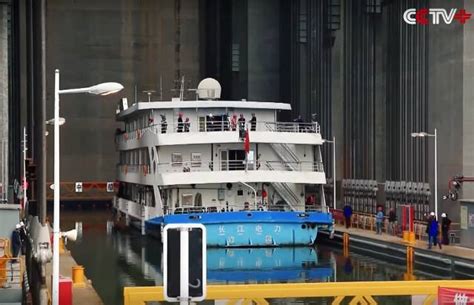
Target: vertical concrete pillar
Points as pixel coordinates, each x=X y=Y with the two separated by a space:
x=468 y=107
x=4 y=81
x=263 y=53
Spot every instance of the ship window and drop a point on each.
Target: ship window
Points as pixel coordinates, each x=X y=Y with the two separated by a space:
x=176 y=159
x=240 y=193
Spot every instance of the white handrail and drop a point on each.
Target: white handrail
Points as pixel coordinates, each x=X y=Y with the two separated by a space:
x=164 y=127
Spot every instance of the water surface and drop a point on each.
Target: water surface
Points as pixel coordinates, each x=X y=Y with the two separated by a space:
x=113 y=261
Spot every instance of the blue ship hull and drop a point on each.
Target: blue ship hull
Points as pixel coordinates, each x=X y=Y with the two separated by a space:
x=251 y=228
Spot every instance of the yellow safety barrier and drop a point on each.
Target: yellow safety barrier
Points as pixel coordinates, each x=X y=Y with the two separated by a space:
x=78 y=279
x=360 y=292
x=61 y=246
x=5 y=244
x=9 y=272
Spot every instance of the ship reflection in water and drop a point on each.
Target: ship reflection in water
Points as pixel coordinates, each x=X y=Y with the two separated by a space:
x=262 y=265
x=238 y=265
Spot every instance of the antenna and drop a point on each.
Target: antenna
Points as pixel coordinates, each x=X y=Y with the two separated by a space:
x=181 y=90
x=149 y=93
x=161 y=88
x=135 y=94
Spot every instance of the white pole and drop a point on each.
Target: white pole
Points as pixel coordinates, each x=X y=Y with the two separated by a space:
x=184 y=272
x=55 y=288
x=436 y=172
x=254 y=193
x=334 y=171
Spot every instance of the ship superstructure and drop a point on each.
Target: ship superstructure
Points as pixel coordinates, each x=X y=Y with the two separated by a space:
x=216 y=161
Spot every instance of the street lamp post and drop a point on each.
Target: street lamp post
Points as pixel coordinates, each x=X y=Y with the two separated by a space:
x=100 y=89
x=425 y=134
x=333 y=142
x=254 y=192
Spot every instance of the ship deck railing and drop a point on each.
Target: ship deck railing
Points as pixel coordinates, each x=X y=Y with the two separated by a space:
x=237 y=165
x=218 y=126
x=241 y=208
x=229 y=165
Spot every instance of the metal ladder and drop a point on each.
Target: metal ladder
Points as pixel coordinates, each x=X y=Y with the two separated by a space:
x=285 y=192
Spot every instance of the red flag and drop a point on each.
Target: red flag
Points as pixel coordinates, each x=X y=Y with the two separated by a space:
x=247 y=141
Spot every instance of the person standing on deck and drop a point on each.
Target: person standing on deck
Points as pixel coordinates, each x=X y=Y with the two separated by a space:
x=379 y=217
x=445 y=224
x=241 y=126
x=180 y=122
x=226 y=121
x=392 y=221
x=299 y=121
x=164 y=124
x=347 y=215
x=187 y=124
x=233 y=122
x=253 y=122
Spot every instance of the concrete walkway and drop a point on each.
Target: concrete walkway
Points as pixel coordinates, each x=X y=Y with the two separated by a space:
x=80 y=295
x=451 y=250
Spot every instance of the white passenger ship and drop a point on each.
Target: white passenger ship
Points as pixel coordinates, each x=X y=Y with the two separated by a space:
x=230 y=165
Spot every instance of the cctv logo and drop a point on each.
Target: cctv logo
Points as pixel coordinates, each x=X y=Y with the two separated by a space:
x=422 y=16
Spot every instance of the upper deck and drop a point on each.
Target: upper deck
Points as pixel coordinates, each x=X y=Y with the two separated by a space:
x=220 y=106
x=200 y=122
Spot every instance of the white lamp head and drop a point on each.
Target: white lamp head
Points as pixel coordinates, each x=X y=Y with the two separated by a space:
x=61 y=121
x=415 y=134
x=70 y=235
x=105 y=89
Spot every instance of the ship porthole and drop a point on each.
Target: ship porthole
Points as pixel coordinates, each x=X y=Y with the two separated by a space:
x=303 y=226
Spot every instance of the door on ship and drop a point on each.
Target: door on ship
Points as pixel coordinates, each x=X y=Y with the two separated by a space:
x=237 y=160
x=232 y=160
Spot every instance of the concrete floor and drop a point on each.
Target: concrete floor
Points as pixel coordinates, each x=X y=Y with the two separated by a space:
x=448 y=250
x=80 y=295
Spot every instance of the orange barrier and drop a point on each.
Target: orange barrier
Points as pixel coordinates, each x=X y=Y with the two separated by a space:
x=8 y=272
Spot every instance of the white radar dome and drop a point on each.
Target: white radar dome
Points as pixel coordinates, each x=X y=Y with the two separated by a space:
x=209 y=89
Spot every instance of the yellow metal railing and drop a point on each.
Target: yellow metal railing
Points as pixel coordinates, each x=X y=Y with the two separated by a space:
x=359 y=292
x=9 y=273
x=5 y=245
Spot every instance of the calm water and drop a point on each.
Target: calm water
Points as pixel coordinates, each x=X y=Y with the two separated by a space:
x=115 y=260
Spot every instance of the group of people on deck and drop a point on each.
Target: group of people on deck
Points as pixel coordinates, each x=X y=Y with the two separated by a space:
x=183 y=126
x=228 y=123
x=432 y=227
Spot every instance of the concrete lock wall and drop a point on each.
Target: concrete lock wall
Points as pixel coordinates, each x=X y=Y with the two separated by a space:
x=370 y=78
x=134 y=43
